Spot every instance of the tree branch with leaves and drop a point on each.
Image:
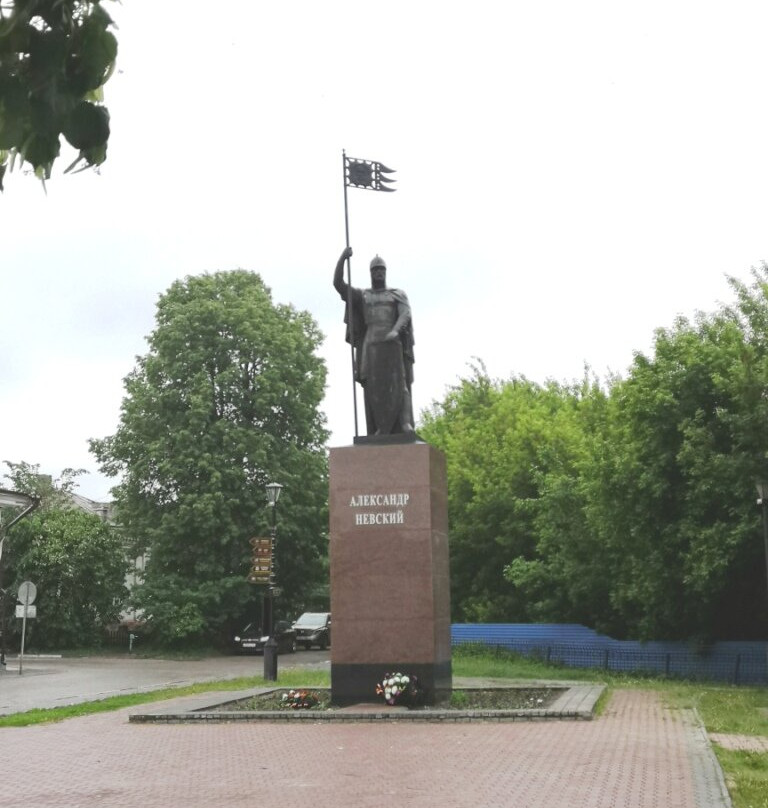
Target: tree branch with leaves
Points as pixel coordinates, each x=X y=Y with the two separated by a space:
x=55 y=58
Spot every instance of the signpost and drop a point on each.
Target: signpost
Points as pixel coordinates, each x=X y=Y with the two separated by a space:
x=27 y=595
x=27 y=592
x=261 y=561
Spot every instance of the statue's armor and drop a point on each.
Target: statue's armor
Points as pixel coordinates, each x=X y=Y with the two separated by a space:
x=380 y=315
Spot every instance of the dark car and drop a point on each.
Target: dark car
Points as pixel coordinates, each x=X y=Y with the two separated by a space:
x=313 y=628
x=251 y=641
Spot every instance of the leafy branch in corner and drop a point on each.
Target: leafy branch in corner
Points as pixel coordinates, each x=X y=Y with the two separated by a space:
x=55 y=57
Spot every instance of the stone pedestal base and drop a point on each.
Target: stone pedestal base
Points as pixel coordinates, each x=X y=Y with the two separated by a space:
x=390 y=586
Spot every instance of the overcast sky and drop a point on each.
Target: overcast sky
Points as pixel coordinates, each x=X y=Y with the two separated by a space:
x=571 y=176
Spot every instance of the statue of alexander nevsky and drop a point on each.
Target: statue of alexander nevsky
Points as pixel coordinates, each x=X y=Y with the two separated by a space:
x=379 y=328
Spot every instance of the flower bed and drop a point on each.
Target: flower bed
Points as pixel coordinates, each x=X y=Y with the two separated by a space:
x=503 y=698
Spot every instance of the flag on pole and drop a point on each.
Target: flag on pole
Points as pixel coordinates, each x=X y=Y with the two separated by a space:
x=367 y=174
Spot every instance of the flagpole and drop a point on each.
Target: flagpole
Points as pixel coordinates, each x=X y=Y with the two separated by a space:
x=350 y=313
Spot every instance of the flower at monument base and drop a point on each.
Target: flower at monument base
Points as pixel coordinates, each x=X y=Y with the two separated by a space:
x=299 y=700
x=400 y=689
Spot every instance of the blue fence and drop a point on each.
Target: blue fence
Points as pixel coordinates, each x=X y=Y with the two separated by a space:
x=581 y=647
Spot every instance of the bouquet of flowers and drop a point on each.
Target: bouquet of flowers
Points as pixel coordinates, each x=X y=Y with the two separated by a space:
x=400 y=689
x=299 y=700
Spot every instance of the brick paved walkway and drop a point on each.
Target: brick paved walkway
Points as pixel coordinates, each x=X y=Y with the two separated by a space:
x=636 y=754
x=742 y=743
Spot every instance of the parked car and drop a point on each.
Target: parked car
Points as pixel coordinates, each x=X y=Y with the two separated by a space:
x=313 y=628
x=251 y=640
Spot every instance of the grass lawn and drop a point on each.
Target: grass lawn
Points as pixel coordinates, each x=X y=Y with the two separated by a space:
x=722 y=708
x=288 y=678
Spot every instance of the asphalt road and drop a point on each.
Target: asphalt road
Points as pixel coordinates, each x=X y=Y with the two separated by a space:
x=55 y=682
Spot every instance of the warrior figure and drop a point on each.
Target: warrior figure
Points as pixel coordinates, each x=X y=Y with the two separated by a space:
x=379 y=328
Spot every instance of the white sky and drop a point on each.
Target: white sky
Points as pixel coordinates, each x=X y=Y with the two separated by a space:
x=571 y=176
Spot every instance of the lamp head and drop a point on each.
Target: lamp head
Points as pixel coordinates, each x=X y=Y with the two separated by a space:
x=273 y=492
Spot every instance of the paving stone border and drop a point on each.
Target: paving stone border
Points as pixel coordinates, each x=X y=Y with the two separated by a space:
x=576 y=703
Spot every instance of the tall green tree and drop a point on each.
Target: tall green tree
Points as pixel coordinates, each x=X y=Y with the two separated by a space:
x=55 y=57
x=689 y=439
x=501 y=439
x=628 y=507
x=566 y=577
x=226 y=400
x=76 y=561
x=650 y=530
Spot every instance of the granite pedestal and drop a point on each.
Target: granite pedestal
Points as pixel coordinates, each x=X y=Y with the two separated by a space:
x=390 y=585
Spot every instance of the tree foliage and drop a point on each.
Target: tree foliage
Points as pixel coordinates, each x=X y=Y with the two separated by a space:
x=52 y=493
x=225 y=401
x=507 y=445
x=689 y=440
x=55 y=57
x=76 y=561
x=628 y=508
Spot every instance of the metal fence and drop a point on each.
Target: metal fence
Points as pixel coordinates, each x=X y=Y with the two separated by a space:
x=116 y=635
x=580 y=647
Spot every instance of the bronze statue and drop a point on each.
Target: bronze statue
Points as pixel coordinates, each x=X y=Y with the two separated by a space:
x=379 y=328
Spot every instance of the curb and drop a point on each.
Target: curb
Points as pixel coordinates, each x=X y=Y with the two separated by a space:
x=577 y=703
x=708 y=782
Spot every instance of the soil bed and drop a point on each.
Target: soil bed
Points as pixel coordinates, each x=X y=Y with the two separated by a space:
x=507 y=698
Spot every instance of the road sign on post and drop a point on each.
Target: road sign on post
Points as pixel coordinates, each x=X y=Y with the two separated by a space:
x=261 y=561
x=27 y=594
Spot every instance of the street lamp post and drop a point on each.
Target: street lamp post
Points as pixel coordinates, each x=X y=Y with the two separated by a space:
x=10 y=499
x=762 y=493
x=268 y=618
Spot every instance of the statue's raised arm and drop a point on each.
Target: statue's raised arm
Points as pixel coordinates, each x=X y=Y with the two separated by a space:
x=338 y=275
